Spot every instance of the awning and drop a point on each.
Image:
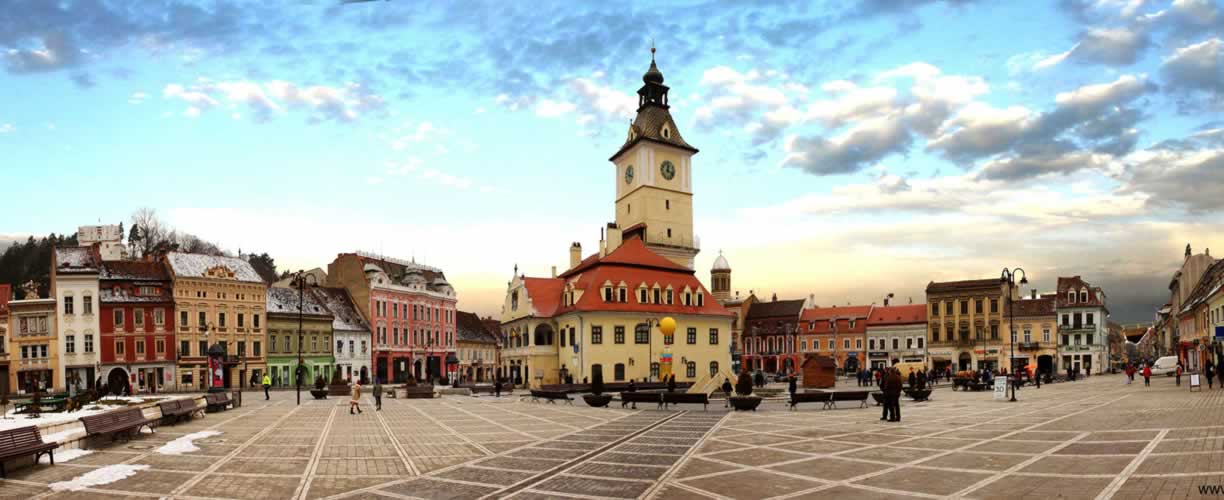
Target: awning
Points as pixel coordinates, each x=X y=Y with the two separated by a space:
x=451 y=359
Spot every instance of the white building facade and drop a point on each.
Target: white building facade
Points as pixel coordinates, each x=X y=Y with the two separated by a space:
x=74 y=286
x=108 y=237
x=350 y=332
x=896 y=334
x=1082 y=335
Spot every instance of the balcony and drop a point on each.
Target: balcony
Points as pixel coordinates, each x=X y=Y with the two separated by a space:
x=1029 y=346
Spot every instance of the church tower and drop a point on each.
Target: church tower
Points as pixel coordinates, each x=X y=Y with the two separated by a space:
x=720 y=278
x=654 y=181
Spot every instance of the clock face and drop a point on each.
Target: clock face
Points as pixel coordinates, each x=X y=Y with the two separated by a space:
x=668 y=170
x=629 y=174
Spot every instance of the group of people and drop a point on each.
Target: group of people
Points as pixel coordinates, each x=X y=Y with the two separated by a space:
x=916 y=378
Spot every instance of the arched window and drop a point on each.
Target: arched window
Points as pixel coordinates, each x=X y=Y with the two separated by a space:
x=1083 y=296
x=713 y=368
x=618 y=373
x=543 y=335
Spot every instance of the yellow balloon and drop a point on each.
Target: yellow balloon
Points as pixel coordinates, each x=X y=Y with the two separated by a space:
x=667 y=325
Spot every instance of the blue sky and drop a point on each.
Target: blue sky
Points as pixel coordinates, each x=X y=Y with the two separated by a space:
x=848 y=150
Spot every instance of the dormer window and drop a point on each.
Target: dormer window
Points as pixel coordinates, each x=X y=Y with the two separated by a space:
x=851 y=323
x=623 y=294
x=1071 y=297
x=607 y=294
x=642 y=299
x=700 y=299
x=1083 y=296
x=666 y=132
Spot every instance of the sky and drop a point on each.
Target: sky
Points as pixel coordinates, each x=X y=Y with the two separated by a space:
x=848 y=150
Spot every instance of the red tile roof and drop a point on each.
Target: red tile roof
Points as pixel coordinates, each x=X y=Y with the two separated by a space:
x=790 y=309
x=1075 y=283
x=816 y=320
x=545 y=295
x=897 y=315
x=1043 y=306
x=632 y=264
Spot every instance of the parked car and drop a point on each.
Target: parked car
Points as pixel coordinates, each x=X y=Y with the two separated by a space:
x=1166 y=365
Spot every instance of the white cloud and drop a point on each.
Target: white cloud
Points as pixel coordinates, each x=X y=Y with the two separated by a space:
x=267 y=100
x=137 y=98
x=549 y=108
x=6 y=128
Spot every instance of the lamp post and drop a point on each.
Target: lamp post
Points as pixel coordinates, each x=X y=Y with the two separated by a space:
x=1008 y=277
x=301 y=279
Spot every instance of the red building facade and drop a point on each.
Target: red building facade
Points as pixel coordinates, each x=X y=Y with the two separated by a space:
x=837 y=332
x=771 y=336
x=138 y=346
x=411 y=311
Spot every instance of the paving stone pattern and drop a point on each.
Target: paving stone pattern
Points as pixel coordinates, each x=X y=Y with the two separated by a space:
x=1092 y=439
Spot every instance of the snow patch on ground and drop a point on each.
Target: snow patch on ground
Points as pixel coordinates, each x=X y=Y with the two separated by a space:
x=65 y=456
x=186 y=443
x=64 y=436
x=98 y=477
x=16 y=420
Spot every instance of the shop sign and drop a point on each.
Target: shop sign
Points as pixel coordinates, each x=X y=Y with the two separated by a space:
x=878 y=354
x=942 y=353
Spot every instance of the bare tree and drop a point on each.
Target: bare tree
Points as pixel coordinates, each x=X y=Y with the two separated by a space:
x=152 y=229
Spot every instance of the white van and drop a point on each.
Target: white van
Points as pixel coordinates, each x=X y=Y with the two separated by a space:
x=1166 y=365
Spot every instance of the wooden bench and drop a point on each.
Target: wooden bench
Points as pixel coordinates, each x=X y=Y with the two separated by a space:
x=217 y=401
x=809 y=397
x=673 y=398
x=24 y=441
x=641 y=397
x=123 y=421
x=834 y=397
x=419 y=391
x=550 y=396
x=179 y=408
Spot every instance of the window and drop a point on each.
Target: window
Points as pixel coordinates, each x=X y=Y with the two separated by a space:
x=314 y=343
x=713 y=368
x=977 y=306
x=562 y=337
x=831 y=344
x=948 y=307
x=935 y=334
x=138 y=317
x=182 y=318
x=858 y=343
x=118 y=318
x=203 y=321
x=994 y=305
x=700 y=299
x=1088 y=318
x=622 y=294
x=1028 y=336
x=994 y=332
x=68 y=306
x=846 y=344
x=656 y=296
x=203 y=348
x=1066 y=339
x=140 y=347
x=964 y=307
x=184 y=348
x=118 y=347
x=159 y=317
x=909 y=342
x=160 y=345
x=607 y=294
x=1089 y=339
x=70 y=344
x=691 y=336
x=1077 y=340
x=1013 y=336
x=1045 y=334
x=596 y=334
x=88 y=342
x=351 y=344
x=871 y=344
x=618 y=335
x=670 y=297
x=896 y=343
x=803 y=345
x=618 y=372
x=241 y=322
x=87 y=304
x=921 y=343
x=641 y=334
x=221 y=320
x=1071 y=297
x=1077 y=320
x=934 y=309
x=690 y=370
x=1083 y=296
x=978 y=333
x=255 y=320
x=641 y=295
x=713 y=336
x=1066 y=320
x=363 y=347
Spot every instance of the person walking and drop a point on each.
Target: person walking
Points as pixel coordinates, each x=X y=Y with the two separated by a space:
x=632 y=385
x=378 y=390
x=912 y=379
x=1209 y=370
x=1220 y=374
x=792 y=386
x=726 y=388
x=267 y=384
x=1147 y=375
x=885 y=388
x=497 y=386
x=355 y=403
x=893 y=395
x=1177 y=373
x=671 y=383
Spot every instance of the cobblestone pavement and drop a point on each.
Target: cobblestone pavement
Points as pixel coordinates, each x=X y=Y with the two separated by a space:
x=1091 y=439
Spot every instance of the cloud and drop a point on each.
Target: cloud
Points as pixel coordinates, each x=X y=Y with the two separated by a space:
x=1196 y=67
x=83 y=80
x=7 y=128
x=1179 y=173
x=268 y=100
x=1104 y=46
x=548 y=108
x=138 y=97
x=863 y=144
x=57 y=52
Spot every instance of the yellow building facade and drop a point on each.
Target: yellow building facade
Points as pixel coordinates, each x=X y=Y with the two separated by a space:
x=967 y=324
x=219 y=301
x=32 y=346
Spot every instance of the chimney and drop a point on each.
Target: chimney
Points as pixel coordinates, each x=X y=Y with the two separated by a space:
x=554 y=271
x=886 y=301
x=575 y=254
x=775 y=298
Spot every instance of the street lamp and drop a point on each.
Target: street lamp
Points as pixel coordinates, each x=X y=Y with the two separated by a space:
x=300 y=280
x=1008 y=278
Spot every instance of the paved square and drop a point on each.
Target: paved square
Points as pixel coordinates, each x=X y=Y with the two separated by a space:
x=1091 y=439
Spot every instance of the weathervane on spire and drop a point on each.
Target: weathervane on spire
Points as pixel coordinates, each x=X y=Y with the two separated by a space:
x=652 y=49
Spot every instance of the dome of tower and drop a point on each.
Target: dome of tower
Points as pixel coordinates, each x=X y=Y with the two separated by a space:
x=720 y=264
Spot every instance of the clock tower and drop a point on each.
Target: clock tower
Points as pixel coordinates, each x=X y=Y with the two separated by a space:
x=654 y=182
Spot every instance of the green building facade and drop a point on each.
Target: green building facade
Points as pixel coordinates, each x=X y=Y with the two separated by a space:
x=316 y=336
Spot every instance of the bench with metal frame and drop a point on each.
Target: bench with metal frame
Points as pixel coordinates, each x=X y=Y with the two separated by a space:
x=550 y=396
x=673 y=398
x=641 y=397
x=809 y=397
x=24 y=441
x=118 y=422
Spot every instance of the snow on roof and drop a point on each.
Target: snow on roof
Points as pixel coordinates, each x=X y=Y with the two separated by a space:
x=194 y=265
x=76 y=259
x=285 y=301
x=344 y=313
x=135 y=270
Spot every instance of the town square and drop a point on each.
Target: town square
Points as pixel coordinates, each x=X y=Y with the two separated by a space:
x=637 y=250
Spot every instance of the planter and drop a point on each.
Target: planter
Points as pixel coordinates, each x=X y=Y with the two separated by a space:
x=319 y=393
x=745 y=403
x=878 y=397
x=597 y=400
x=919 y=394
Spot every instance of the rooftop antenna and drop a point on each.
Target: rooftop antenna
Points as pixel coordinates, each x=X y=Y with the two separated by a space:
x=652 y=49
